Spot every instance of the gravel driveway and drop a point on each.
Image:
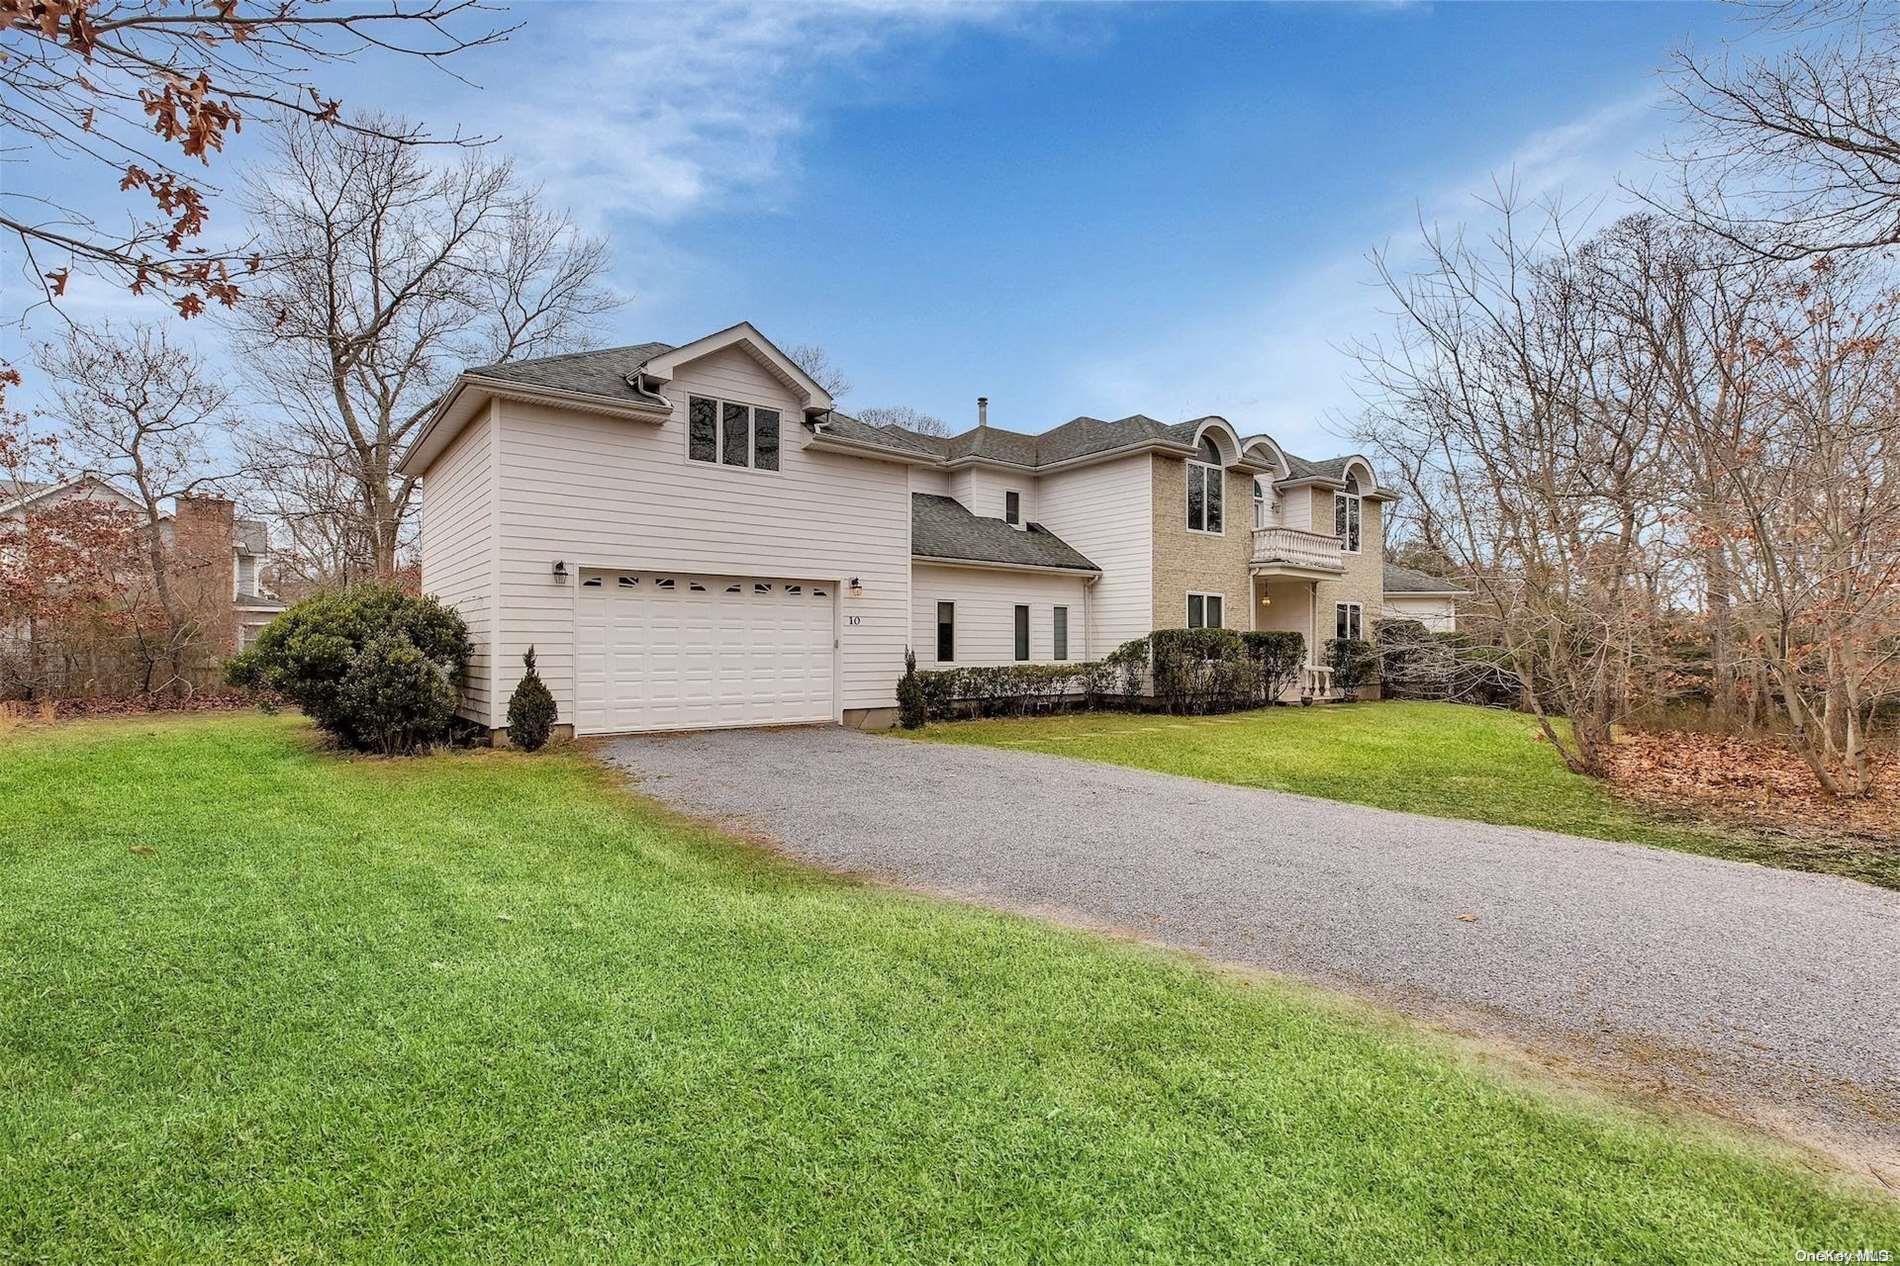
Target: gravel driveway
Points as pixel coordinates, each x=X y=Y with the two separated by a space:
x=1761 y=991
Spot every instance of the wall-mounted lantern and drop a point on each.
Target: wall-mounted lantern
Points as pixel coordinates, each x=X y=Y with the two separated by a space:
x=560 y=571
x=856 y=587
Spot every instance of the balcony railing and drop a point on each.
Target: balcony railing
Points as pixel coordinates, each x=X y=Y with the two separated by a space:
x=1294 y=548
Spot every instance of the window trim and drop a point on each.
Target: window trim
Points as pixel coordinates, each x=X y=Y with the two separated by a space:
x=1059 y=633
x=946 y=626
x=1352 y=518
x=1219 y=482
x=1021 y=646
x=1354 y=616
x=1187 y=614
x=718 y=459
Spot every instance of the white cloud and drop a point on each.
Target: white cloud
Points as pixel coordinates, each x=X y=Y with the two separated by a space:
x=655 y=112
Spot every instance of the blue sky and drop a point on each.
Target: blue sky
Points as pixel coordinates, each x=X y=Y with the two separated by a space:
x=1072 y=209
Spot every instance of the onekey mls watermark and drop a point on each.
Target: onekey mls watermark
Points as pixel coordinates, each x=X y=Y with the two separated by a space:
x=1844 y=1255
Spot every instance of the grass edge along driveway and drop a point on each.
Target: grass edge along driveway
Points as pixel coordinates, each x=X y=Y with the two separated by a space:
x=1443 y=760
x=267 y=1002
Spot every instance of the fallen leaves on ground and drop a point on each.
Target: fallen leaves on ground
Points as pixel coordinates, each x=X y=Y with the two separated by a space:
x=1759 y=782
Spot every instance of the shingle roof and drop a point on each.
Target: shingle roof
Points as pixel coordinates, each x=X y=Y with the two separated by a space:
x=258 y=602
x=941 y=528
x=1325 y=468
x=1078 y=437
x=604 y=371
x=896 y=438
x=600 y=372
x=1407 y=580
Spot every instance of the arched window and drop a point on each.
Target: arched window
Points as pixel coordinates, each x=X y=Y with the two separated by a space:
x=1346 y=515
x=1259 y=504
x=1204 y=488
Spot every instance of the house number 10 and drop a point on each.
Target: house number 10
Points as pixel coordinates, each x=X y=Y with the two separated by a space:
x=854 y=620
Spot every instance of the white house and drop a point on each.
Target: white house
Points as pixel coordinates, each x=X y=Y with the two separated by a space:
x=1414 y=595
x=695 y=536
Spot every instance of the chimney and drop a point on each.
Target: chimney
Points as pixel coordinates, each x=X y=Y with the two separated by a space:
x=204 y=575
x=982 y=410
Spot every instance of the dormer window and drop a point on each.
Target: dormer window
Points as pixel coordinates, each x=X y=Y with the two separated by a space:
x=1013 y=508
x=1346 y=515
x=1204 y=488
x=727 y=433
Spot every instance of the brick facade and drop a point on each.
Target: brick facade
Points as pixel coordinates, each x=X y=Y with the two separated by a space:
x=203 y=534
x=1364 y=581
x=1201 y=562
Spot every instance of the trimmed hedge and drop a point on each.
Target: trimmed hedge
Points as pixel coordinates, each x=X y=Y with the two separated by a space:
x=1201 y=670
x=1191 y=671
x=1277 y=657
x=1353 y=661
x=1003 y=690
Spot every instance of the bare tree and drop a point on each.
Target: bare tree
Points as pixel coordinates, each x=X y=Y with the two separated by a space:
x=1813 y=498
x=144 y=91
x=905 y=416
x=1797 y=153
x=1527 y=437
x=1692 y=303
x=816 y=361
x=387 y=274
x=138 y=409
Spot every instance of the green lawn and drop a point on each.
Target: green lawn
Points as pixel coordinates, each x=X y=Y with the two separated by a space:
x=1446 y=760
x=269 y=1004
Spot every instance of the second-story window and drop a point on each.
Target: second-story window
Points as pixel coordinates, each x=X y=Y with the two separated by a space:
x=1204 y=489
x=1012 y=508
x=727 y=433
x=1346 y=515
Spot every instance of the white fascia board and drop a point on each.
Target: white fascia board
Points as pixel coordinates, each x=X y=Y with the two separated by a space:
x=472 y=391
x=933 y=560
x=744 y=335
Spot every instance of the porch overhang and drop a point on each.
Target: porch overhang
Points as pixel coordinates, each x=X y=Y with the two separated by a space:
x=1277 y=569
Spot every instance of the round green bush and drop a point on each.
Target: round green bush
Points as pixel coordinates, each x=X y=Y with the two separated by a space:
x=531 y=710
x=374 y=667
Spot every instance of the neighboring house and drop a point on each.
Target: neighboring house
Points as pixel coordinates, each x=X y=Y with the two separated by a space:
x=694 y=536
x=1414 y=595
x=220 y=559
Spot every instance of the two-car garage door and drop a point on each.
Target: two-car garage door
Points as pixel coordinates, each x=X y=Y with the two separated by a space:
x=671 y=651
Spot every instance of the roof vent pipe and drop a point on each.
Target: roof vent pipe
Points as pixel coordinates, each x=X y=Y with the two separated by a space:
x=982 y=410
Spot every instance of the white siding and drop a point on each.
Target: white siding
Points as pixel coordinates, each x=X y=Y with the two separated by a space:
x=930 y=480
x=963 y=486
x=458 y=549
x=986 y=493
x=986 y=614
x=1107 y=513
x=609 y=492
x=1298 y=510
x=1440 y=615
